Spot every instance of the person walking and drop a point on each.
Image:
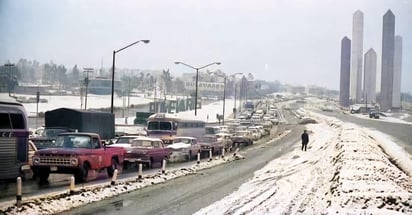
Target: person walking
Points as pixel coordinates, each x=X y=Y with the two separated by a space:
x=305 y=140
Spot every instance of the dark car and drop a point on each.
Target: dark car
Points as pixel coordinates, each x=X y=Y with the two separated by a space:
x=374 y=114
x=49 y=134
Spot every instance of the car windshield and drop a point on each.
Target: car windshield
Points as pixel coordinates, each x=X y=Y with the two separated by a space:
x=141 y=143
x=124 y=140
x=182 y=140
x=52 y=132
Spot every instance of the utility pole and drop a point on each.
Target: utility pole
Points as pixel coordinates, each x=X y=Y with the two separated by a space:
x=86 y=82
x=9 y=66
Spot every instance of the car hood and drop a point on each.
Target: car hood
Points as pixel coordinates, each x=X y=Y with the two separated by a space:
x=179 y=146
x=122 y=145
x=58 y=151
x=140 y=150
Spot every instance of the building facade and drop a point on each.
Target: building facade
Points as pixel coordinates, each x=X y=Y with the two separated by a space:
x=388 y=52
x=345 y=72
x=369 y=93
x=397 y=73
x=356 y=58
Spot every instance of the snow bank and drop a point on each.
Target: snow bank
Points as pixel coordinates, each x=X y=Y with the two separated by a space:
x=63 y=201
x=346 y=170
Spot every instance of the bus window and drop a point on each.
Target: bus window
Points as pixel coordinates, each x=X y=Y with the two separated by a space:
x=165 y=126
x=4 y=121
x=153 y=126
x=16 y=121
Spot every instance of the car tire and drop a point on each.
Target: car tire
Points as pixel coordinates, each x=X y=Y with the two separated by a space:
x=43 y=174
x=83 y=173
x=150 y=163
x=114 y=165
x=189 y=156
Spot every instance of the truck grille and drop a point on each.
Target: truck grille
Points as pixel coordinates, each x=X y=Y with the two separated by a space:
x=8 y=156
x=55 y=160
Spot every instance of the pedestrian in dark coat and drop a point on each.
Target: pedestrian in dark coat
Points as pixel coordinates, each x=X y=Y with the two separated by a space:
x=305 y=140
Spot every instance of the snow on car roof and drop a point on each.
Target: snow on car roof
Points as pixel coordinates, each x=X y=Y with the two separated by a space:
x=183 y=137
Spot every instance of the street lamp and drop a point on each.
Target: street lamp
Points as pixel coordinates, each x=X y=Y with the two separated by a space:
x=224 y=90
x=9 y=66
x=114 y=54
x=197 y=76
x=86 y=82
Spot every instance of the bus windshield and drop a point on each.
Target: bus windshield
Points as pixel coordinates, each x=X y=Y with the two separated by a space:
x=12 y=121
x=156 y=125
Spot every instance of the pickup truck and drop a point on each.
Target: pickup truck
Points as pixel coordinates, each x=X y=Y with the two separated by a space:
x=77 y=153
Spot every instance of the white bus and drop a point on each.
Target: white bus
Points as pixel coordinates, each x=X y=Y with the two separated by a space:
x=164 y=126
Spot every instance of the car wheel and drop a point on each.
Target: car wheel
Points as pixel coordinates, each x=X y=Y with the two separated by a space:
x=43 y=174
x=126 y=165
x=150 y=163
x=83 y=173
x=189 y=156
x=114 y=165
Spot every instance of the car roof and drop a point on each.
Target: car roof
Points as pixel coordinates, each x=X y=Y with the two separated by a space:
x=147 y=138
x=183 y=137
x=130 y=136
x=78 y=133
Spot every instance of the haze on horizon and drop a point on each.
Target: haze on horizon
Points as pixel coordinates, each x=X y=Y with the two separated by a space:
x=292 y=41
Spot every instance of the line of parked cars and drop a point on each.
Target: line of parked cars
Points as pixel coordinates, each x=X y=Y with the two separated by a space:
x=81 y=152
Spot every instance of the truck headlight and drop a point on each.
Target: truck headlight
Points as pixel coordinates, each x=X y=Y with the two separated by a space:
x=73 y=161
x=36 y=160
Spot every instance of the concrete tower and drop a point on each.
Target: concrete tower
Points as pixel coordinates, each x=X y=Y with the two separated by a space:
x=388 y=52
x=356 y=58
x=370 y=77
x=344 y=72
x=397 y=73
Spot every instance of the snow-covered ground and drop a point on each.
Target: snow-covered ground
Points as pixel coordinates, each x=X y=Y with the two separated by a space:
x=104 y=101
x=389 y=117
x=347 y=170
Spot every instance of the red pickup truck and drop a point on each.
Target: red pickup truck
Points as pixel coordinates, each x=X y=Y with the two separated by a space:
x=77 y=153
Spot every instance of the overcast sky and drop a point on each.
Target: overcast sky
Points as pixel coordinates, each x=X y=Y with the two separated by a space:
x=293 y=41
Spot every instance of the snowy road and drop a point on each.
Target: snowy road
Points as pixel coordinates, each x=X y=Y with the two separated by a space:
x=188 y=194
x=400 y=131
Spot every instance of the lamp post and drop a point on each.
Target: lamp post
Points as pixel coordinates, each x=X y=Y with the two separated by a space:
x=234 y=106
x=86 y=82
x=197 y=76
x=9 y=66
x=114 y=63
x=224 y=90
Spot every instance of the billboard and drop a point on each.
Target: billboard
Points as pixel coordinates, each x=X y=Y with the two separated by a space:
x=204 y=86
